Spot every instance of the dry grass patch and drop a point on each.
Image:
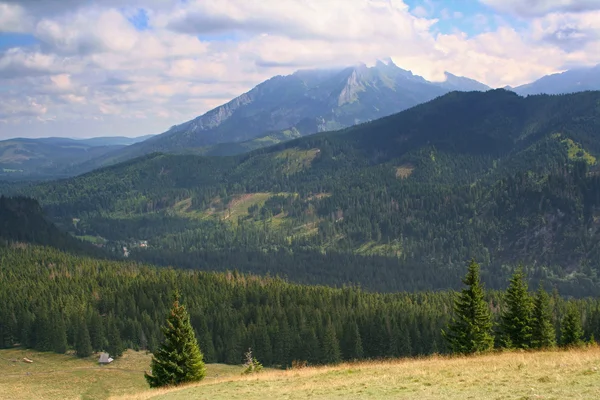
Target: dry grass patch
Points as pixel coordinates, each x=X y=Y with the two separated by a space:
x=544 y=375
x=404 y=171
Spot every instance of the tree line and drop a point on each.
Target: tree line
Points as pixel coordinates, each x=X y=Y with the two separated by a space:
x=524 y=321
x=54 y=301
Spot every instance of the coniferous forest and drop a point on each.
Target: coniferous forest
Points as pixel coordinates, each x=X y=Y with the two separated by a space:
x=338 y=246
x=400 y=203
x=53 y=301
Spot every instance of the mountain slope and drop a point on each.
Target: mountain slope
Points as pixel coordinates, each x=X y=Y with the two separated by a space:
x=491 y=175
x=307 y=101
x=22 y=220
x=45 y=158
x=575 y=80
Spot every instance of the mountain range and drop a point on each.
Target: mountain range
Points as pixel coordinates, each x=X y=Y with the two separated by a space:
x=280 y=109
x=491 y=175
x=302 y=103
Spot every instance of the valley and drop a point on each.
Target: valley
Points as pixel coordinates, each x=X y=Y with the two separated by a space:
x=515 y=182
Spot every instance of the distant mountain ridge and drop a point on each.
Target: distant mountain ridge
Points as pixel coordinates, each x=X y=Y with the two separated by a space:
x=280 y=109
x=305 y=102
x=571 y=81
x=41 y=158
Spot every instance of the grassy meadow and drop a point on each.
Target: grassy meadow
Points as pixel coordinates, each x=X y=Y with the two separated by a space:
x=545 y=375
x=571 y=374
x=57 y=376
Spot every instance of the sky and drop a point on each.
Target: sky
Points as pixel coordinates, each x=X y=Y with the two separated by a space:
x=83 y=68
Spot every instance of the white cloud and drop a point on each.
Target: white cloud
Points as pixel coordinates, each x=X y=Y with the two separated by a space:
x=420 y=11
x=568 y=31
x=94 y=72
x=13 y=18
x=18 y=109
x=74 y=34
x=536 y=8
x=17 y=62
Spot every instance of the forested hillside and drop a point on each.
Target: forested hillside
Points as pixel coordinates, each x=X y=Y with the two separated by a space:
x=51 y=301
x=397 y=203
x=22 y=221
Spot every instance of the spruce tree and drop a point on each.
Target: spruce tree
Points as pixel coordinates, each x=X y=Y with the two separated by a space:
x=405 y=348
x=59 y=335
x=96 y=329
x=83 y=344
x=331 y=346
x=178 y=359
x=571 y=330
x=470 y=330
x=352 y=343
x=516 y=319
x=115 y=347
x=543 y=334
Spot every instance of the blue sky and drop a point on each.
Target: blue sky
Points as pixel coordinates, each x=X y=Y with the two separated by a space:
x=115 y=67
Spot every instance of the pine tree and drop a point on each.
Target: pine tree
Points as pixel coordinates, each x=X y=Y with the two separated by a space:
x=308 y=347
x=405 y=345
x=83 y=344
x=470 y=330
x=178 y=359
x=59 y=334
x=115 y=345
x=352 y=343
x=543 y=334
x=516 y=319
x=571 y=330
x=96 y=331
x=206 y=343
x=42 y=327
x=331 y=346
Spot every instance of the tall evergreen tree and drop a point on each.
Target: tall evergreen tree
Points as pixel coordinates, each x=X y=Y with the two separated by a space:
x=96 y=331
x=516 y=319
x=308 y=346
x=331 y=346
x=571 y=330
x=115 y=346
x=543 y=334
x=43 y=329
x=470 y=330
x=178 y=359
x=83 y=344
x=405 y=348
x=59 y=334
x=206 y=343
x=352 y=348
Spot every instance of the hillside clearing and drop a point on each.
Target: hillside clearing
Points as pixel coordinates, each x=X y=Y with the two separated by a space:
x=545 y=375
x=404 y=171
x=296 y=160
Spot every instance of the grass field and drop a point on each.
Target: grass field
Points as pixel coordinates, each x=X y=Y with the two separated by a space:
x=546 y=375
x=54 y=376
